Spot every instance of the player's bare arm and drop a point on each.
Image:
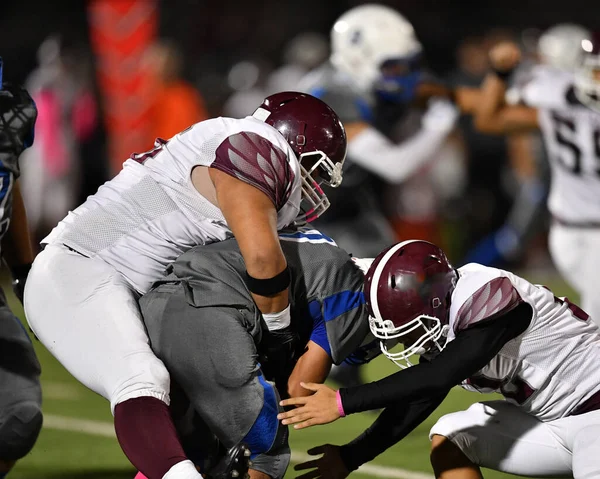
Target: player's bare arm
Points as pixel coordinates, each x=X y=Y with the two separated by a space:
x=252 y=218
x=492 y=114
x=312 y=367
x=472 y=349
x=465 y=98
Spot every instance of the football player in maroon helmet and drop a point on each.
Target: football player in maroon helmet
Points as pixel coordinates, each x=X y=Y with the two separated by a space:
x=487 y=330
x=243 y=177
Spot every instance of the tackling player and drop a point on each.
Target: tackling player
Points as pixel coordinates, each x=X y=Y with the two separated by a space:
x=20 y=392
x=567 y=110
x=205 y=327
x=490 y=331
x=219 y=178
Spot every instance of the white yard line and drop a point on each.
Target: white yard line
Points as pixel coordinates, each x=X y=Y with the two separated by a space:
x=60 y=390
x=372 y=469
x=106 y=429
x=84 y=426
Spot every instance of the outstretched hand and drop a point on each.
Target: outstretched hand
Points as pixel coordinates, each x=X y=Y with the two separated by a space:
x=328 y=466
x=320 y=408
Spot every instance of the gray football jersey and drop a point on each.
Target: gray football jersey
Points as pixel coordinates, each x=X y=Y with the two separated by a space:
x=327 y=303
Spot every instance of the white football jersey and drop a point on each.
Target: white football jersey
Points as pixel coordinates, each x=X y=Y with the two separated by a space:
x=551 y=368
x=150 y=213
x=571 y=134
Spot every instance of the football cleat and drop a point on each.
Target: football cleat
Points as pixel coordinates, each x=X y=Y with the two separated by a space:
x=234 y=465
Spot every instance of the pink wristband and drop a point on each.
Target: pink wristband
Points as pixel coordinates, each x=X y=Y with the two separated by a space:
x=340 y=406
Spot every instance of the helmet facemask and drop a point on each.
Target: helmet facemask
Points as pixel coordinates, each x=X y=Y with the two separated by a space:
x=316 y=168
x=432 y=340
x=399 y=79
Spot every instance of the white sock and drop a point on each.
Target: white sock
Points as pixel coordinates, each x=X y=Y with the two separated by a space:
x=183 y=470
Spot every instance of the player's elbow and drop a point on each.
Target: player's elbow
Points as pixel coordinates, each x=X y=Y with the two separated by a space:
x=265 y=262
x=294 y=389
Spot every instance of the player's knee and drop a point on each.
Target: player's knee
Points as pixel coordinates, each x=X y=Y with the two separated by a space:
x=452 y=444
x=19 y=429
x=445 y=455
x=267 y=433
x=142 y=377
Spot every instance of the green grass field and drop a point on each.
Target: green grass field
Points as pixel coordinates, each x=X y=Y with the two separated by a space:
x=77 y=440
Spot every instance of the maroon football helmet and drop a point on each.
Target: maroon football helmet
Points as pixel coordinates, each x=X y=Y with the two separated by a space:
x=587 y=76
x=408 y=289
x=317 y=136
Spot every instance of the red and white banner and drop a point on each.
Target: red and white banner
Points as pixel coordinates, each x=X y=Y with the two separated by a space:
x=120 y=33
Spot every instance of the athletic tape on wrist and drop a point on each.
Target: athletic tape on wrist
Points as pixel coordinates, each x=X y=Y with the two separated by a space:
x=340 y=406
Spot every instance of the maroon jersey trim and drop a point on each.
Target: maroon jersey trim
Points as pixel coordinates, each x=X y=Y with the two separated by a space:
x=255 y=160
x=494 y=298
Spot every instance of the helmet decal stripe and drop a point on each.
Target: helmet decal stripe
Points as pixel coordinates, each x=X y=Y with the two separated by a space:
x=261 y=114
x=377 y=276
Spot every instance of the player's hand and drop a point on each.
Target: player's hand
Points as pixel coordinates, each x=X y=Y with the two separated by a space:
x=328 y=466
x=17 y=119
x=320 y=408
x=505 y=56
x=441 y=115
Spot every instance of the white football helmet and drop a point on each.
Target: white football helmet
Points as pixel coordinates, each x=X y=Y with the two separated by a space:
x=366 y=37
x=560 y=46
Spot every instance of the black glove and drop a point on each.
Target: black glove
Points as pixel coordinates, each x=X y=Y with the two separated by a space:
x=19 y=275
x=278 y=353
x=17 y=121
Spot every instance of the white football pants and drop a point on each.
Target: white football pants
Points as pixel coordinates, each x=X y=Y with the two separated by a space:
x=576 y=255
x=87 y=315
x=500 y=436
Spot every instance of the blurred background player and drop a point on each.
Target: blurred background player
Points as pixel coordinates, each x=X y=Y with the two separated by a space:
x=556 y=52
x=377 y=82
x=20 y=392
x=566 y=109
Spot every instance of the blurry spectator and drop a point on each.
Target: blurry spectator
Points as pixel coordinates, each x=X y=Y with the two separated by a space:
x=177 y=104
x=67 y=118
x=246 y=79
x=303 y=53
